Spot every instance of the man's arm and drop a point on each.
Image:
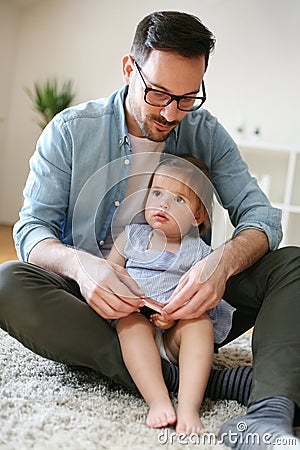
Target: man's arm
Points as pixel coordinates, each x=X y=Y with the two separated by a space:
x=203 y=286
x=244 y=250
x=106 y=287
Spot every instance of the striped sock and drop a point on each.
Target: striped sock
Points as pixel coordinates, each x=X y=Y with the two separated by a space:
x=230 y=384
x=173 y=378
x=225 y=384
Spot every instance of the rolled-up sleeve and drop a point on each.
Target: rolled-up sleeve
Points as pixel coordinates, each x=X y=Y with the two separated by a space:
x=257 y=213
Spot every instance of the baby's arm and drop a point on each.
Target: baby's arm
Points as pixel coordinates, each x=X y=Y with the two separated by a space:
x=116 y=254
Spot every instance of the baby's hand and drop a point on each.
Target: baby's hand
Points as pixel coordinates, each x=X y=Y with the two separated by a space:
x=162 y=321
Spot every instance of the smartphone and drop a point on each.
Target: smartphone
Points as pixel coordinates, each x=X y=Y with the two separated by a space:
x=151 y=307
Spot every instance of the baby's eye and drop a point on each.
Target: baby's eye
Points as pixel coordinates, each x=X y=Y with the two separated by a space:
x=179 y=199
x=156 y=193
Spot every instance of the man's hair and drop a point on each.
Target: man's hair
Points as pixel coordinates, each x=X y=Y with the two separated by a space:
x=172 y=31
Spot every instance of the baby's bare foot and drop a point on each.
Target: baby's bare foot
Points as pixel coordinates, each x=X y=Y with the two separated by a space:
x=188 y=421
x=161 y=413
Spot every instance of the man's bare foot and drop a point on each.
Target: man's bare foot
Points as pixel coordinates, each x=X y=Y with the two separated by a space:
x=161 y=413
x=188 y=421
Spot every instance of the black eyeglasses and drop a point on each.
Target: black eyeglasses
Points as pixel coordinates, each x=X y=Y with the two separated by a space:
x=155 y=97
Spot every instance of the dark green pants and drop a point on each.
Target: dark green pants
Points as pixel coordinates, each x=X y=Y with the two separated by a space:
x=48 y=315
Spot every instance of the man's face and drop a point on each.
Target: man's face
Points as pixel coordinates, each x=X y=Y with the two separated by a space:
x=167 y=72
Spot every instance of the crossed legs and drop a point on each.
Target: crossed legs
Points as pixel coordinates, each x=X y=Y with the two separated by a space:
x=48 y=315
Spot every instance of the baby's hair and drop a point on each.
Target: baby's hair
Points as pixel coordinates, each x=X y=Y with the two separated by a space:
x=196 y=177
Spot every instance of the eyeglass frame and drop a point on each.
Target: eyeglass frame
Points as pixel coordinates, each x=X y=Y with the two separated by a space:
x=173 y=97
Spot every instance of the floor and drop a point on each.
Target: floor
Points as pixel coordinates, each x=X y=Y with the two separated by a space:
x=7 y=249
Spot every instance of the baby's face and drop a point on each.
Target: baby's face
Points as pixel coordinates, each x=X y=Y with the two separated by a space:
x=172 y=206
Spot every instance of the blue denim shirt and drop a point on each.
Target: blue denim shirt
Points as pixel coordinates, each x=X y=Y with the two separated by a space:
x=74 y=188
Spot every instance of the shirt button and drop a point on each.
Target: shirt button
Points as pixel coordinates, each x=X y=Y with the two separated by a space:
x=117 y=203
x=101 y=243
x=126 y=162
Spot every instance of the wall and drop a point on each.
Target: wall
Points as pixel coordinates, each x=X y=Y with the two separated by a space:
x=10 y=16
x=252 y=79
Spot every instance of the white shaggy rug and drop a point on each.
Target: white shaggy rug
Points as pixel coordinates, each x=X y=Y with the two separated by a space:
x=49 y=406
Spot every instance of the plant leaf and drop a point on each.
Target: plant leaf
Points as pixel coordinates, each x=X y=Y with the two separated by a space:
x=48 y=99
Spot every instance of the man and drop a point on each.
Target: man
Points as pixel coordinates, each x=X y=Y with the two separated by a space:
x=57 y=304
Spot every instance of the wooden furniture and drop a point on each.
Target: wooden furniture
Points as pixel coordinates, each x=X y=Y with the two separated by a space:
x=7 y=249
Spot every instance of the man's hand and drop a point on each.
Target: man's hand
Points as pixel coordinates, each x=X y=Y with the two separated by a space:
x=107 y=287
x=203 y=286
x=197 y=292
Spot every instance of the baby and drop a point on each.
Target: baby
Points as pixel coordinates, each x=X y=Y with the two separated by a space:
x=157 y=254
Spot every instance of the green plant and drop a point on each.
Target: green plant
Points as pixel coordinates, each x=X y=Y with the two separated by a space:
x=48 y=99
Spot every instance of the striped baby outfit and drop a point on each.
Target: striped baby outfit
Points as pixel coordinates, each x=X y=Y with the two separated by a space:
x=158 y=272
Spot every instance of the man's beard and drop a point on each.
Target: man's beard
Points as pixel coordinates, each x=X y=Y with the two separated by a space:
x=145 y=127
x=148 y=132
